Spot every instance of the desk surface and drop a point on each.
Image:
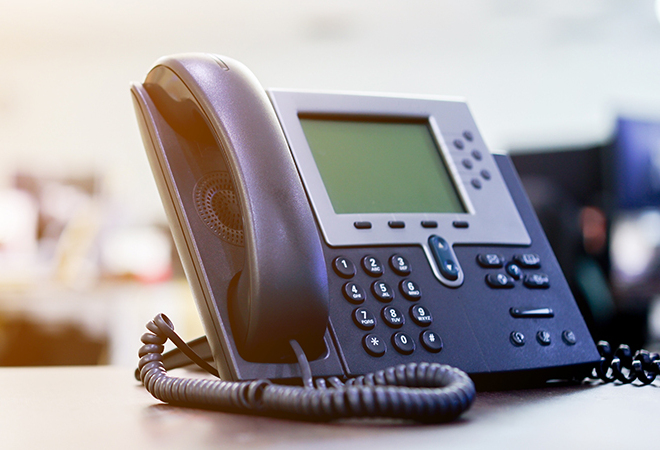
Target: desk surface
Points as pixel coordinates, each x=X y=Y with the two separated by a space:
x=104 y=407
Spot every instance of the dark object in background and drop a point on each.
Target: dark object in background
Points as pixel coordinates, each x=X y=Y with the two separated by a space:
x=27 y=343
x=636 y=157
x=570 y=190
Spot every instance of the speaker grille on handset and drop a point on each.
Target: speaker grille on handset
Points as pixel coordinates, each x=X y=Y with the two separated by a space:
x=218 y=206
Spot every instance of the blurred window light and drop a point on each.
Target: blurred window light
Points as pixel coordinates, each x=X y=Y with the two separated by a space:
x=18 y=221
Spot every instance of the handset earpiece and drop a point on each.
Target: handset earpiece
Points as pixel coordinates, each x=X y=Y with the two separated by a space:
x=281 y=293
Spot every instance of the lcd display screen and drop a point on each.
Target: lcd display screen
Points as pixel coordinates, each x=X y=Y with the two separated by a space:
x=380 y=165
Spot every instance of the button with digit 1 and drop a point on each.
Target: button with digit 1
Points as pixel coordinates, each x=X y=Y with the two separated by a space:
x=343 y=267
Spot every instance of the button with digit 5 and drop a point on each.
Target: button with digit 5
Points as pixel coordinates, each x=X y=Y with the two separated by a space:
x=382 y=291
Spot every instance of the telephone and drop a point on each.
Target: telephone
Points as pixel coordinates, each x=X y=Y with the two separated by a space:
x=372 y=230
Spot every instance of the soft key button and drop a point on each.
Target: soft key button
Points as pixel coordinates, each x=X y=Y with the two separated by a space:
x=445 y=258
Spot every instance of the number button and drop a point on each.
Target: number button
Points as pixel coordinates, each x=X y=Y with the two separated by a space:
x=431 y=341
x=382 y=291
x=403 y=343
x=374 y=345
x=420 y=315
x=410 y=290
x=343 y=267
x=400 y=265
x=393 y=317
x=354 y=293
x=372 y=266
x=364 y=319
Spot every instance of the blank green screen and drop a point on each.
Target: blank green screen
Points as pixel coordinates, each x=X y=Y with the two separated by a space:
x=380 y=166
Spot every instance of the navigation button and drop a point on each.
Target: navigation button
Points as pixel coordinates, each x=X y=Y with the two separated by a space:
x=444 y=257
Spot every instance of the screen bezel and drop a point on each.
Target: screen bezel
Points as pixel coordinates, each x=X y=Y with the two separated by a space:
x=492 y=216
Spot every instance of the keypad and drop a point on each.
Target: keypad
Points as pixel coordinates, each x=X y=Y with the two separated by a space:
x=389 y=313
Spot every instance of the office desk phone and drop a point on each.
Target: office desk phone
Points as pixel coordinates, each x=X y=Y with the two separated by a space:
x=354 y=231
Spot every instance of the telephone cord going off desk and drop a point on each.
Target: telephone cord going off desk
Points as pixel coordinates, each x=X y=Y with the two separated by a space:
x=424 y=392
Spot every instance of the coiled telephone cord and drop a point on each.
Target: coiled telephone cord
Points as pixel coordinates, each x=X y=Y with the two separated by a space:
x=421 y=392
x=621 y=365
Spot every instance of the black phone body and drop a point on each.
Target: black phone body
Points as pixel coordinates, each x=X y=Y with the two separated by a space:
x=282 y=236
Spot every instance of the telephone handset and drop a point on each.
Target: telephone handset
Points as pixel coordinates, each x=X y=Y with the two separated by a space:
x=372 y=230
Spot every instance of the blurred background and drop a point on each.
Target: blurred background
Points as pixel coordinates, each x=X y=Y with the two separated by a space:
x=571 y=89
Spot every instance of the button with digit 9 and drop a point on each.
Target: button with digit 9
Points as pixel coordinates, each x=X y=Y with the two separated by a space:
x=420 y=315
